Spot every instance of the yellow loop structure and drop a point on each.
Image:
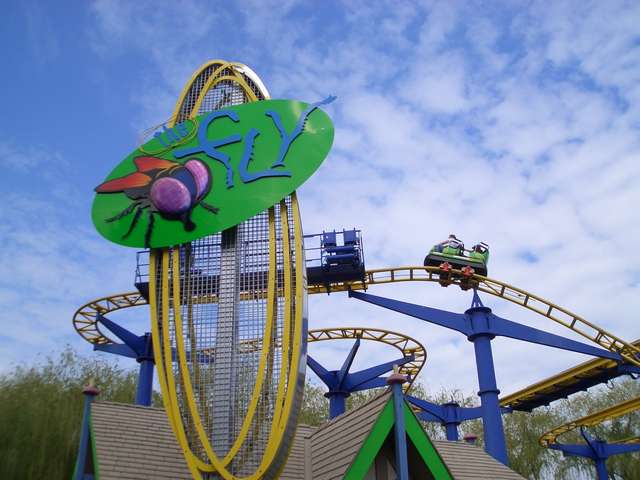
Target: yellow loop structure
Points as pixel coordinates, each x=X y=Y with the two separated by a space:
x=407 y=345
x=233 y=409
x=168 y=307
x=86 y=326
x=85 y=318
x=591 y=420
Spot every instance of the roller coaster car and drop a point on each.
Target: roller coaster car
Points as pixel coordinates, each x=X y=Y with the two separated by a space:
x=454 y=254
x=336 y=263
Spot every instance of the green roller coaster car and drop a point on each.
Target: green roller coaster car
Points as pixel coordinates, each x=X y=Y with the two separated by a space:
x=452 y=251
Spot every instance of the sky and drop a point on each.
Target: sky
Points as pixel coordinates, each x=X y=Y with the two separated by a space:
x=515 y=123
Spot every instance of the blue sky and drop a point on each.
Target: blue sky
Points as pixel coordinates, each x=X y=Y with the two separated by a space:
x=514 y=123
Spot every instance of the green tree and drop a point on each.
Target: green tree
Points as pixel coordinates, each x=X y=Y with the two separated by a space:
x=315 y=407
x=41 y=412
x=620 y=466
x=522 y=431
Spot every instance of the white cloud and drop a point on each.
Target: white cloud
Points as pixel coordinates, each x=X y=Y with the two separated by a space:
x=519 y=129
x=438 y=84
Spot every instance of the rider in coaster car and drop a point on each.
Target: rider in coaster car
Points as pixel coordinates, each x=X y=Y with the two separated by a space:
x=451 y=245
x=480 y=247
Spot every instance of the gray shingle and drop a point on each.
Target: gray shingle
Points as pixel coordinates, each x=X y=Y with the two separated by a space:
x=335 y=444
x=296 y=462
x=135 y=443
x=470 y=462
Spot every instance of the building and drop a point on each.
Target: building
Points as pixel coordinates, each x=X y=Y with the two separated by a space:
x=130 y=442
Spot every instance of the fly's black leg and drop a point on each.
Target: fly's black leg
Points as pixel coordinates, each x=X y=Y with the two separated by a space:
x=186 y=221
x=209 y=208
x=136 y=217
x=124 y=213
x=147 y=235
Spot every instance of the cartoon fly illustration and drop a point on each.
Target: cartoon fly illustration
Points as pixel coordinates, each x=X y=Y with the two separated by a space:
x=161 y=186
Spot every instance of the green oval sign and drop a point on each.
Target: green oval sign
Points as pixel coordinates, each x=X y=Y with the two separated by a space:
x=212 y=172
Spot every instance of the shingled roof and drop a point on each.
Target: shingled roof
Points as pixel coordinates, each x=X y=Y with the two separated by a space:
x=136 y=443
x=335 y=444
x=332 y=448
x=470 y=462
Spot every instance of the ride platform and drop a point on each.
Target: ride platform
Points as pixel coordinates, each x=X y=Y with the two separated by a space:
x=334 y=257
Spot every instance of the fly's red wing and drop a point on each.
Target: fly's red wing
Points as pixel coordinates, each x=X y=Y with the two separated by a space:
x=133 y=180
x=145 y=164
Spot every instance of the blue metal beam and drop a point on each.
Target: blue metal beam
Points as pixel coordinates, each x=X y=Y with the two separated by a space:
x=596 y=450
x=481 y=326
x=506 y=328
x=621 y=448
x=573 y=450
x=450 y=415
x=325 y=375
x=485 y=324
x=346 y=365
x=341 y=384
x=368 y=385
x=134 y=346
x=116 y=349
x=356 y=379
x=84 y=446
x=134 y=341
x=454 y=321
x=493 y=429
x=432 y=409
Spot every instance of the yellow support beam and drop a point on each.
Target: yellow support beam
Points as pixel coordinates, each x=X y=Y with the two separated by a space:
x=565 y=378
x=590 y=420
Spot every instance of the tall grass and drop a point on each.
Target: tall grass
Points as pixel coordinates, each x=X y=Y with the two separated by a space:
x=41 y=412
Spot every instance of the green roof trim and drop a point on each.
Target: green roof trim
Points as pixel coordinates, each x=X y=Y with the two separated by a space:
x=379 y=433
x=372 y=444
x=422 y=442
x=94 y=451
x=94 y=455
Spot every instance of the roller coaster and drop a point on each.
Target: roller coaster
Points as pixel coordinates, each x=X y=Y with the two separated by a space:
x=90 y=319
x=176 y=283
x=84 y=319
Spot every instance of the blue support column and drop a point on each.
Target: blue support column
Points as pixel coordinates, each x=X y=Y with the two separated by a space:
x=135 y=346
x=451 y=426
x=341 y=383
x=495 y=444
x=337 y=403
x=144 y=391
x=90 y=392
x=402 y=464
x=480 y=326
x=601 y=469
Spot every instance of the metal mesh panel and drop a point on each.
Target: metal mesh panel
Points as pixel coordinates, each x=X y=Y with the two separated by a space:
x=223 y=315
x=189 y=101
